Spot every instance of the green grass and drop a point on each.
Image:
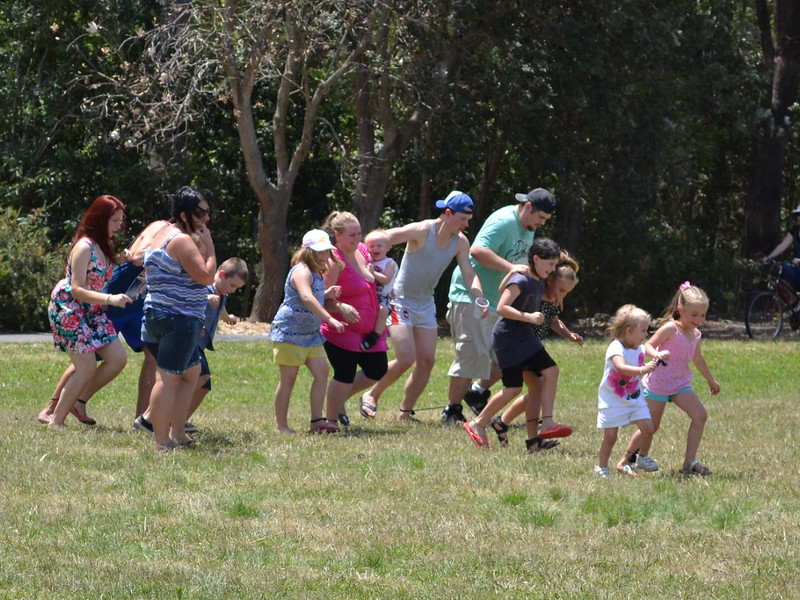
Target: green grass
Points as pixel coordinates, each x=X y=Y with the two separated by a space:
x=388 y=510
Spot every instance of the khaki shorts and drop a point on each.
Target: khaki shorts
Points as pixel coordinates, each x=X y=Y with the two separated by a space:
x=291 y=355
x=473 y=341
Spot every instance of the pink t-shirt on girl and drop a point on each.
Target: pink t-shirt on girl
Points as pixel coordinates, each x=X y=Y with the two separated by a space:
x=361 y=295
x=676 y=374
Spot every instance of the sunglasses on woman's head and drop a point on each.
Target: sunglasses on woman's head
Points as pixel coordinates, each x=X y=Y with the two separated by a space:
x=202 y=212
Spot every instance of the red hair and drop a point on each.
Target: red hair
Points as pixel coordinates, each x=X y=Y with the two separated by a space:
x=94 y=223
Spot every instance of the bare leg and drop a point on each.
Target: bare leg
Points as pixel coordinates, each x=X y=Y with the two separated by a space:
x=640 y=440
x=495 y=405
x=549 y=384
x=457 y=388
x=606 y=446
x=319 y=371
x=47 y=411
x=180 y=407
x=147 y=378
x=425 y=345
x=689 y=403
x=199 y=395
x=405 y=356
x=283 y=393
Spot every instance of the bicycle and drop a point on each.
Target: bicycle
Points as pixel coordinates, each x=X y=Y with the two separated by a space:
x=769 y=309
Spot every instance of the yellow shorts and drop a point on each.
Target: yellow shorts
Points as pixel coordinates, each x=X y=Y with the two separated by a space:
x=292 y=355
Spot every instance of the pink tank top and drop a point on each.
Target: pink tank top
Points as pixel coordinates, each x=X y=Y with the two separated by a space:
x=361 y=295
x=676 y=375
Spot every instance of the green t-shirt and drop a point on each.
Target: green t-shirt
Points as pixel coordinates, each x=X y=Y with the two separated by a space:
x=503 y=234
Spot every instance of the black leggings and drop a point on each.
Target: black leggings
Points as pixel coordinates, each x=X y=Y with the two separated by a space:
x=346 y=362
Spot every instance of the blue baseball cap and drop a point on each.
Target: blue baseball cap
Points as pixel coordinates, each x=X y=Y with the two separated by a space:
x=457 y=202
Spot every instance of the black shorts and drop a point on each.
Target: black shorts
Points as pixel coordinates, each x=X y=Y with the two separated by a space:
x=537 y=362
x=346 y=362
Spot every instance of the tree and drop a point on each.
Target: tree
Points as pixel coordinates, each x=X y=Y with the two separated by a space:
x=780 y=75
x=207 y=52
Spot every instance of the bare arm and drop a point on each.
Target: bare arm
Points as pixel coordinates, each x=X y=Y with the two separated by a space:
x=505 y=310
x=781 y=247
x=559 y=328
x=332 y=302
x=302 y=279
x=490 y=259
x=700 y=362
x=183 y=249
x=471 y=280
x=631 y=370
x=665 y=333
x=79 y=258
x=144 y=239
x=413 y=234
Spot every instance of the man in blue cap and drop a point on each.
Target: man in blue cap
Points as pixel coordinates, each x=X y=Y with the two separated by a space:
x=501 y=243
x=430 y=246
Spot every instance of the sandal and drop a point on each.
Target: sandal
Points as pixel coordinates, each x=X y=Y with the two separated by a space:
x=344 y=419
x=324 y=426
x=83 y=418
x=501 y=429
x=536 y=444
x=695 y=468
x=364 y=406
x=480 y=442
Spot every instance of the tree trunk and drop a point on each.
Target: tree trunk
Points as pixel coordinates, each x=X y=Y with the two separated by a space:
x=274 y=259
x=782 y=65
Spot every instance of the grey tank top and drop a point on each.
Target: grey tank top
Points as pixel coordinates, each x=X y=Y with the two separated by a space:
x=420 y=271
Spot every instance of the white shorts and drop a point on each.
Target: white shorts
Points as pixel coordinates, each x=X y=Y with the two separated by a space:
x=473 y=341
x=623 y=415
x=413 y=314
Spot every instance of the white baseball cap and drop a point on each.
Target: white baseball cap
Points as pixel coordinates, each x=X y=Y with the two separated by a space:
x=317 y=240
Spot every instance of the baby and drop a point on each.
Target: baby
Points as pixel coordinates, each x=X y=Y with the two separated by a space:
x=384 y=270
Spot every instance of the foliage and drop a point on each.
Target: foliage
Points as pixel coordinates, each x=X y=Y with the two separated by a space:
x=29 y=269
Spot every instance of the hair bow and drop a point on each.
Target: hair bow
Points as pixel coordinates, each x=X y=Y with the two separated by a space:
x=685 y=285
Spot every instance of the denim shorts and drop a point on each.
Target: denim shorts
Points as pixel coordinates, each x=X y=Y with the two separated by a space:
x=172 y=339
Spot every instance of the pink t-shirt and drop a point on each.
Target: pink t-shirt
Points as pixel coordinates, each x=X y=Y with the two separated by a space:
x=671 y=378
x=361 y=295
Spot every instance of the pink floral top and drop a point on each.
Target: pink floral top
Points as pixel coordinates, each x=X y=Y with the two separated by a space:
x=80 y=327
x=617 y=389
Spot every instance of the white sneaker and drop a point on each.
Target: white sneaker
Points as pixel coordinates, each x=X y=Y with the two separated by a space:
x=602 y=472
x=647 y=464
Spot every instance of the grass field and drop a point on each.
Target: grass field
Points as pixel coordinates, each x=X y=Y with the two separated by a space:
x=388 y=510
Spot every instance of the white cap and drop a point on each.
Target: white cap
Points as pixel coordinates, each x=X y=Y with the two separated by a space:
x=317 y=240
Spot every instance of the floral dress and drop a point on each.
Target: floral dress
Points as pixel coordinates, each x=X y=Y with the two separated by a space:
x=80 y=327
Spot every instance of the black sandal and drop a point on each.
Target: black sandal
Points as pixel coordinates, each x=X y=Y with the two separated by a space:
x=536 y=444
x=501 y=429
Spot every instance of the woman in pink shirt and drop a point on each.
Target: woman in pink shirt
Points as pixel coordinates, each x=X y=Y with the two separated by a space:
x=357 y=305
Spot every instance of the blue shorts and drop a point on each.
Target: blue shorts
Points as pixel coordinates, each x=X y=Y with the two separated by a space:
x=204 y=370
x=662 y=398
x=130 y=326
x=172 y=339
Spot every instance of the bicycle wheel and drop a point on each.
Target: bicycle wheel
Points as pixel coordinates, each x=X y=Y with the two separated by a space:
x=764 y=318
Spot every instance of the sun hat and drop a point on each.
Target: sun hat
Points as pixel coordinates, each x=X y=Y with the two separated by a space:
x=457 y=202
x=540 y=199
x=317 y=240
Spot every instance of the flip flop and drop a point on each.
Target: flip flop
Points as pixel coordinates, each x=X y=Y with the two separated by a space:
x=556 y=431
x=480 y=442
x=364 y=405
x=695 y=468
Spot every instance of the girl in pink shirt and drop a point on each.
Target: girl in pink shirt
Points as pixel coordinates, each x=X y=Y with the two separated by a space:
x=676 y=344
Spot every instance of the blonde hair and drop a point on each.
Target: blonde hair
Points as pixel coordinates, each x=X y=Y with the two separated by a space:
x=337 y=221
x=627 y=315
x=567 y=268
x=312 y=259
x=377 y=234
x=687 y=294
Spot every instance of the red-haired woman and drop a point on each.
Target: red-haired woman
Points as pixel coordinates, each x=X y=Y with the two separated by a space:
x=77 y=304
